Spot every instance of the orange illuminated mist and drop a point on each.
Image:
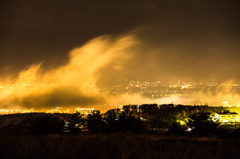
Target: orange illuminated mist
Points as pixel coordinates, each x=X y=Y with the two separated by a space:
x=75 y=83
x=70 y=85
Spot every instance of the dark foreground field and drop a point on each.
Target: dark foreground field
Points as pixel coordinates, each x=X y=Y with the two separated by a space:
x=87 y=146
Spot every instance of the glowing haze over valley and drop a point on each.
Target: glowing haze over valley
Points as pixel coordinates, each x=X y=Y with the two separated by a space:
x=61 y=57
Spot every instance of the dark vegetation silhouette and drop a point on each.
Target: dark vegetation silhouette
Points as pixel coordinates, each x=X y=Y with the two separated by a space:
x=75 y=122
x=114 y=123
x=125 y=123
x=177 y=130
x=132 y=124
x=145 y=131
x=146 y=118
x=181 y=120
x=236 y=134
x=95 y=122
x=202 y=124
x=41 y=126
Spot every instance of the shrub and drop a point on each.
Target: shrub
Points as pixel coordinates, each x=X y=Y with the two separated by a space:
x=42 y=125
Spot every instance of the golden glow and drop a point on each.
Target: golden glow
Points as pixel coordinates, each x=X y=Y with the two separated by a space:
x=75 y=83
x=69 y=85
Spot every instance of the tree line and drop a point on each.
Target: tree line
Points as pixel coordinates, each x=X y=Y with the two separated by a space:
x=145 y=118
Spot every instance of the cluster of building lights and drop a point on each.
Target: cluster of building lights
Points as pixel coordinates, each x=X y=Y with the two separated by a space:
x=156 y=91
x=52 y=111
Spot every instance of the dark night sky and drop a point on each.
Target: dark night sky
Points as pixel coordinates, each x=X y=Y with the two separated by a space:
x=186 y=40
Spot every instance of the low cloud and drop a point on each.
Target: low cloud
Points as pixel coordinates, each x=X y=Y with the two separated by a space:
x=108 y=60
x=72 y=84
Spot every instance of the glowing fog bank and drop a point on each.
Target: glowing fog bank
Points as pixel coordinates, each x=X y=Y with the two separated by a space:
x=66 y=83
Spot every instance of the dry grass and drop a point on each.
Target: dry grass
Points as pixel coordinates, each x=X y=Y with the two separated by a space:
x=117 y=146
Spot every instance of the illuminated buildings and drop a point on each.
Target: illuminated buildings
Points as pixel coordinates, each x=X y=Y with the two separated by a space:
x=227 y=117
x=84 y=111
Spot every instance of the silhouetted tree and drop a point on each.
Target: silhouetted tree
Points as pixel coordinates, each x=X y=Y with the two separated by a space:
x=111 y=123
x=75 y=121
x=177 y=114
x=126 y=109
x=176 y=129
x=42 y=125
x=202 y=124
x=191 y=112
x=183 y=113
x=95 y=122
x=131 y=124
x=196 y=110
